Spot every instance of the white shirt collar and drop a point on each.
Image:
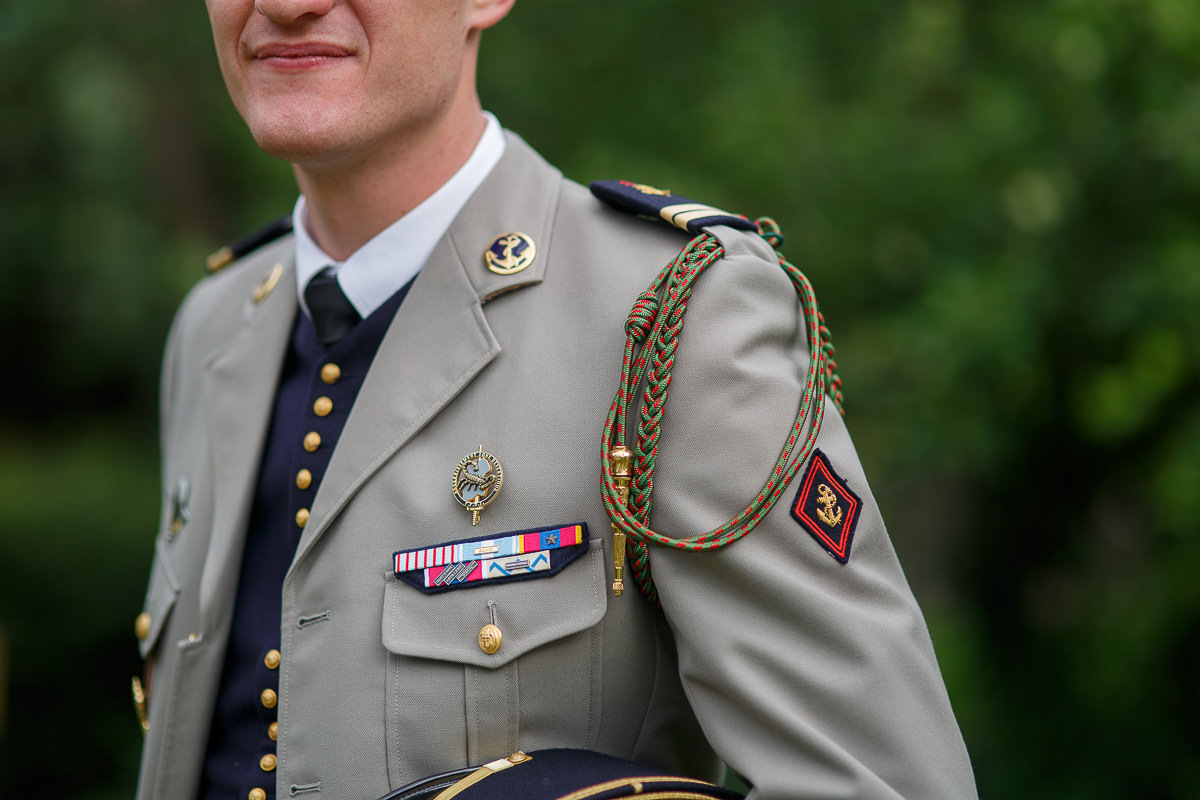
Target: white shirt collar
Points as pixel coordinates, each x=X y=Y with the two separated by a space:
x=375 y=271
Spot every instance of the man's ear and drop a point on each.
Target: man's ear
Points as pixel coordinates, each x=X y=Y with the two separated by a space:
x=486 y=13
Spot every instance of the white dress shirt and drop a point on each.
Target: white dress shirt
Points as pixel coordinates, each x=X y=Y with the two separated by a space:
x=375 y=271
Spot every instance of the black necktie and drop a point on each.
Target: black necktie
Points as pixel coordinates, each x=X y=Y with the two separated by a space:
x=332 y=314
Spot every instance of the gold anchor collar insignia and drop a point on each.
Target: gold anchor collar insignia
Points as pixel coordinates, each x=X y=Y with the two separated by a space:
x=827 y=507
x=476 y=482
x=510 y=253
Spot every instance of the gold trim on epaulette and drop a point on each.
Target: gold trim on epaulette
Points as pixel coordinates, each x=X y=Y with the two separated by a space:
x=682 y=214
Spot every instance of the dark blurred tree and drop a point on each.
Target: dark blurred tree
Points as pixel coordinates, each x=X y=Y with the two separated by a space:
x=999 y=205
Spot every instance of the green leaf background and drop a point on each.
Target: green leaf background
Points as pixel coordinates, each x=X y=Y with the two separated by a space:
x=999 y=206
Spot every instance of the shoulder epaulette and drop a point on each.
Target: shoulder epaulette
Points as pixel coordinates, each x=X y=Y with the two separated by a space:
x=264 y=235
x=647 y=201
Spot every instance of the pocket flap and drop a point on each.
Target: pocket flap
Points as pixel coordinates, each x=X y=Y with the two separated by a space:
x=447 y=626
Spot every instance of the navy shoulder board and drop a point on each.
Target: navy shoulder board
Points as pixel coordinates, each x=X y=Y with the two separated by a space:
x=247 y=244
x=647 y=201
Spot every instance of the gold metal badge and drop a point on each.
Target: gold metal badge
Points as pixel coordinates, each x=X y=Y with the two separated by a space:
x=510 y=253
x=267 y=284
x=476 y=482
x=828 y=515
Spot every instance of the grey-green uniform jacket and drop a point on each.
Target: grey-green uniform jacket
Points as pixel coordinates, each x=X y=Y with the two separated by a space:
x=808 y=677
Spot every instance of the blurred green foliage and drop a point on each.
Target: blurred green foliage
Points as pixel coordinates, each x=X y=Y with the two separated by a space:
x=999 y=205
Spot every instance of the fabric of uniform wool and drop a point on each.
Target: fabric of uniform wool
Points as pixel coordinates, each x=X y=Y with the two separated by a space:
x=809 y=677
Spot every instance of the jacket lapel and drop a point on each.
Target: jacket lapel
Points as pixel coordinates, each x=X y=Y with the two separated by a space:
x=239 y=404
x=440 y=339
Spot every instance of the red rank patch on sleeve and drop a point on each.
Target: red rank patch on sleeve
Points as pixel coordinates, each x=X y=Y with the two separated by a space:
x=827 y=508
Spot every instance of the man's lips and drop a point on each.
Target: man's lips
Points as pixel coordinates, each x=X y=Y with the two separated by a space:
x=301 y=55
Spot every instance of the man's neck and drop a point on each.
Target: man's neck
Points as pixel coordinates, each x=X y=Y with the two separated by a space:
x=348 y=204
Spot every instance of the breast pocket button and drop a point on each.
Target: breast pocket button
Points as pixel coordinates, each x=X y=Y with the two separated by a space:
x=489 y=639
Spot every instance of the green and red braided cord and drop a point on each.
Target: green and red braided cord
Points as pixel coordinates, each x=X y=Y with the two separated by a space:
x=652 y=332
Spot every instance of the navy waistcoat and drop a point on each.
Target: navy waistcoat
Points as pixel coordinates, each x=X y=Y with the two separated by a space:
x=316 y=390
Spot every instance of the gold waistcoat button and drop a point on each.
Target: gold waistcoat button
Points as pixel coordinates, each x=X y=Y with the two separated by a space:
x=302 y=517
x=312 y=440
x=141 y=626
x=269 y=698
x=322 y=406
x=331 y=372
x=256 y=794
x=273 y=731
x=272 y=659
x=303 y=479
x=268 y=762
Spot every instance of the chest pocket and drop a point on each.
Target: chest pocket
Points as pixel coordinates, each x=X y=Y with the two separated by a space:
x=512 y=664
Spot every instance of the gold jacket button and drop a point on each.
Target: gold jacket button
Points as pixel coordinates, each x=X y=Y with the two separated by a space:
x=268 y=762
x=489 y=639
x=331 y=372
x=312 y=440
x=322 y=406
x=302 y=517
x=141 y=626
x=269 y=698
x=273 y=731
x=303 y=479
x=272 y=659
x=257 y=794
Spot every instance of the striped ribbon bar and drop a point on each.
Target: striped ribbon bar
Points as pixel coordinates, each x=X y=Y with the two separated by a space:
x=530 y=542
x=488 y=569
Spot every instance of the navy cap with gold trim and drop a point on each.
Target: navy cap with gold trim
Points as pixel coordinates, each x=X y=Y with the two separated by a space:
x=558 y=774
x=648 y=201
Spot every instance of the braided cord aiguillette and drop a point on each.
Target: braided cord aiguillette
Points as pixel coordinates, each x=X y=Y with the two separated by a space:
x=652 y=336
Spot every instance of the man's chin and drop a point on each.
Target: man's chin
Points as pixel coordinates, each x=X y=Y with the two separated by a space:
x=299 y=146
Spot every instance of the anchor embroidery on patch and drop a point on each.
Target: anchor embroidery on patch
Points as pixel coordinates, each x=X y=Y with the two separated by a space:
x=827 y=508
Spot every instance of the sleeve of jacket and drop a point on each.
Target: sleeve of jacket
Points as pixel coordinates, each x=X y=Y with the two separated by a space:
x=811 y=678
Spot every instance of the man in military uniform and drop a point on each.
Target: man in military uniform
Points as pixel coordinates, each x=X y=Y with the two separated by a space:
x=383 y=551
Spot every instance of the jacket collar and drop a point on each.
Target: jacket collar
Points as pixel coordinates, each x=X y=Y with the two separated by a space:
x=440 y=340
